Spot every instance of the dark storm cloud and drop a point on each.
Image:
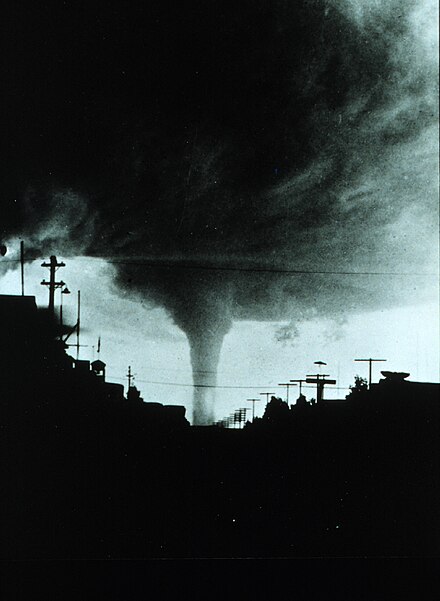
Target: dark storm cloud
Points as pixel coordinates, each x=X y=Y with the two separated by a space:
x=269 y=133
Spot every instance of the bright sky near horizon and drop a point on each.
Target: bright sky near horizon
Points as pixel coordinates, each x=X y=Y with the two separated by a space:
x=253 y=358
x=234 y=141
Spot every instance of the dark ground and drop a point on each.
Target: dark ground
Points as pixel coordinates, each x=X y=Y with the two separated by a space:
x=84 y=477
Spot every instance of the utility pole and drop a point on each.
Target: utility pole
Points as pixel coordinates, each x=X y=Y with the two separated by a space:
x=78 y=325
x=287 y=385
x=52 y=284
x=267 y=396
x=300 y=385
x=76 y=329
x=63 y=291
x=253 y=401
x=22 y=266
x=129 y=377
x=370 y=362
x=242 y=415
x=239 y=416
x=320 y=381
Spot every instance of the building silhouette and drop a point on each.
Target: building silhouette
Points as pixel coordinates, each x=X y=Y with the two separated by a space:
x=90 y=473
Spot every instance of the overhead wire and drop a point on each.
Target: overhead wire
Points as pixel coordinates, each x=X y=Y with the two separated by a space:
x=197 y=385
x=233 y=268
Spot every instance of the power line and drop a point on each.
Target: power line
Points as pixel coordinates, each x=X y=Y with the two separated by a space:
x=186 y=385
x=210 y=385
x=160 y=265
x=155 y=265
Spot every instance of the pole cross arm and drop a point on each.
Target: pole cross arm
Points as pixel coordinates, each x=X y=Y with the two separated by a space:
x=320 y=383
x=74 y=328
x=370 y=362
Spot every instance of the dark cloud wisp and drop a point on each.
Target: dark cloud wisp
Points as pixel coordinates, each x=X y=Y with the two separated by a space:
x=200 y=132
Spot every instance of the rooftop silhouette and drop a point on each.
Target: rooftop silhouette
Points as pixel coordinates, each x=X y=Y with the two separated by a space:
x=93 y=473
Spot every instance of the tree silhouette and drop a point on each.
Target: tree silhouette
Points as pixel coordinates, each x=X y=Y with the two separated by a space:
x=276 y=410
x=359 y=388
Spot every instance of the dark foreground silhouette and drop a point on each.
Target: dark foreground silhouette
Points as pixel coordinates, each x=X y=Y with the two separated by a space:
x=86 y=473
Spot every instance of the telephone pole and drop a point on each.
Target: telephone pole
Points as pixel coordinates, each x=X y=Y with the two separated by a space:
x=370 y=362
x=253 y=401
x=76 y=329
x=300 y=385
x=129 y=377
x=267 y=396
x=63 y=291
x=240 y=416
x=320 y=381
x=78 y=325
x=287 y=385
x=52 y=284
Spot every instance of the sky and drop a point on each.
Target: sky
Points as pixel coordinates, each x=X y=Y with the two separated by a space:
x=238 y=191
x=254 y=357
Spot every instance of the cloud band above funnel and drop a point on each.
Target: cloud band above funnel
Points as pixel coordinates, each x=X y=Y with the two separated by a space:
x=284 y=133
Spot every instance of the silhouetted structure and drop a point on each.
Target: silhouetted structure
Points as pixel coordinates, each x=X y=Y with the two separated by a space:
x=133 y=395
x=98 y=368
x=370 y=362
x=53 y=265
x=320 y=381
x=88 y=473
